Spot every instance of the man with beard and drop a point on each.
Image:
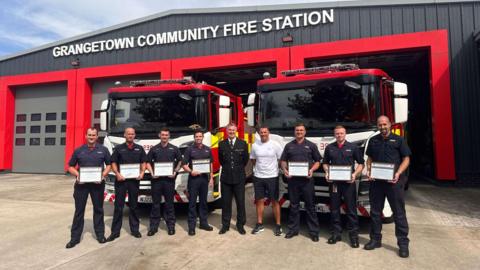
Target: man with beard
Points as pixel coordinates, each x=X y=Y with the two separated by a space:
x=388 y=148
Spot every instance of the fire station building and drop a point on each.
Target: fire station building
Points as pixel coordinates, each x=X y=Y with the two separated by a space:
x=51 y=94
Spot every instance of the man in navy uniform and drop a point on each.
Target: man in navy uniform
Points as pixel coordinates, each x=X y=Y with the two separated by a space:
x=88 y=155
x=304 y=151
x=198 y=181
x=388 y=148
x=233 y=156
x=132 y=154
x=343 y=152
x=164 y=152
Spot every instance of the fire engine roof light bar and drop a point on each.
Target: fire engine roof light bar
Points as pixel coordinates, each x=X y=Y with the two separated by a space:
x=322 y=69
x=138 y=83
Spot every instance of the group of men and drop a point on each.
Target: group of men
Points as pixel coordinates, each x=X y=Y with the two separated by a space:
x=269 y=161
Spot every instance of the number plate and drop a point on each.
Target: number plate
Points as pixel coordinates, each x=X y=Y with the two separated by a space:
x=145 y=199
x=322 y=208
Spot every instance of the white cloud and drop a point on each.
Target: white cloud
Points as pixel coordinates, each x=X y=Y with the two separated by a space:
x=34 y=23
x=24 y=41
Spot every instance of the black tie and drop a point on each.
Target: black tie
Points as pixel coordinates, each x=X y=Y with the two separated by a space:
x=231 y=144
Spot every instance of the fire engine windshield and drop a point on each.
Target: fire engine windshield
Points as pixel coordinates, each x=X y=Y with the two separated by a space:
x=320 y=107
x=180 y=111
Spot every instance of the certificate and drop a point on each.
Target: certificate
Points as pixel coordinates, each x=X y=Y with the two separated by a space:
x=339 y=173
x=201 y=165
x=130 y=170
x=90 y=174
x=382 y=171
x=298 y=168
x=163 y=169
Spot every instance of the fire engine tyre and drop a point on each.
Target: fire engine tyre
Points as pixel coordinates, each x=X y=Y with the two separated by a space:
x=218 y=204
x=387 y=220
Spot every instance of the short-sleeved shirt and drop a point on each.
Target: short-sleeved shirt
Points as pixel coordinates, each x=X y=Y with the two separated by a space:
x=169 y=153
x=90 y=157
x=125 y=155
x=390 y=150
x=194 y=152
x=306 y=151
x=347 y=154
x=266 y=155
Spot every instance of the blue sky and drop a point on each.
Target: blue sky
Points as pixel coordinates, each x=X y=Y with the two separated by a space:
x=27 y=24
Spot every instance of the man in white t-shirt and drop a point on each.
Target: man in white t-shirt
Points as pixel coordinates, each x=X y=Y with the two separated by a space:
x=265 y=156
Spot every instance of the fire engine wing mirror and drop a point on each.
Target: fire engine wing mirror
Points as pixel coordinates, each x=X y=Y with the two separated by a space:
x=401 y=110
x=400 y=89
x=104 y=114
x=251 y=99
x=224 y=111
x=251 y=109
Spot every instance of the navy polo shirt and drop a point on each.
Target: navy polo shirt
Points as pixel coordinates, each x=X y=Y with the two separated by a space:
x=86 y=157
x=345 y=155
x=306 y=151
x=390 y=150
x=169 y=153
x=194 y=152
x=124 y=155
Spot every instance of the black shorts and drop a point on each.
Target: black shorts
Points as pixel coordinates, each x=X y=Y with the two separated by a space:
x=266 y=188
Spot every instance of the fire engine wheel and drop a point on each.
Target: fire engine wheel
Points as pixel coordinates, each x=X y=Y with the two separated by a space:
x=387 y=220
x=212 y=206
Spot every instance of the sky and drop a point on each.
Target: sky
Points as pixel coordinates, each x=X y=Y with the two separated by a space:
x=26 y=24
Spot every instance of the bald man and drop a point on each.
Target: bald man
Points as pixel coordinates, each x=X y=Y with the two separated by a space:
x=128 y=163
x=388 y=148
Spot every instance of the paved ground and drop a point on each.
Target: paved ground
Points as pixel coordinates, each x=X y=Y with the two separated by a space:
x=36 y=213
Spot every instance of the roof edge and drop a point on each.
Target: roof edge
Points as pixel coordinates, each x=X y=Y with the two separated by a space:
x=333 y=4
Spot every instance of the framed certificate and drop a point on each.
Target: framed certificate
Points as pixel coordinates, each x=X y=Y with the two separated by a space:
x=90 y=174
x=201 y=165
x=163 y=169
x=382 y=171
x=130 y=170
x=340 y=172
x=298 y=168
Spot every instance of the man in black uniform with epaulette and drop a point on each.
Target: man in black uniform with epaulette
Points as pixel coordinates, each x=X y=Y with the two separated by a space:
x=233 y=156
x=343 y=152
x=131 y=155
x=388 y=148
x=199 y=155
x=96 y=156
x=164 y=152
x=303 y=151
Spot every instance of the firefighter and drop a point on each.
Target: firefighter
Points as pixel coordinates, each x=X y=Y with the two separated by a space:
x=233 y=156
x=199 y=155
x=163 y=185
x=303 y=151
x=388 y=148
x=90 y=154
x=265 y=156
x=132 y=154
x=343 y=152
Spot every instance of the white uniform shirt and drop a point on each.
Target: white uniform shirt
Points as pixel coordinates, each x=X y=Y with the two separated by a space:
x=266 y=156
